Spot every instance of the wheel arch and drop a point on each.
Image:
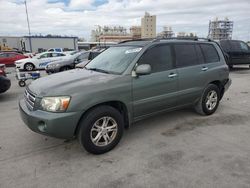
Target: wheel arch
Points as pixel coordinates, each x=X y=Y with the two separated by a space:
x=120 y=106
x=29 y=63
x=219 y=84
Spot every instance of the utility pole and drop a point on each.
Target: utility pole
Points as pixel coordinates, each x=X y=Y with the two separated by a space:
x=27 y=16
x=28 y=25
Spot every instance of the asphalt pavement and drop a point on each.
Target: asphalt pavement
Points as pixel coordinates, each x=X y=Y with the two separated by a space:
x=176 y=149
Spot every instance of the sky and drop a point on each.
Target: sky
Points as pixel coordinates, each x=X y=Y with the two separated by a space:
x=79 y=17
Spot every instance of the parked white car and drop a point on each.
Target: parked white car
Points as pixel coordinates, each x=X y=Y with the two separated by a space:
x=40 y=61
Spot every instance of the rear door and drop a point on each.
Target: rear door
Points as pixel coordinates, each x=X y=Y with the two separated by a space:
x=44 y=60
x=211 y=62
x=190 y=71
x=156 y=91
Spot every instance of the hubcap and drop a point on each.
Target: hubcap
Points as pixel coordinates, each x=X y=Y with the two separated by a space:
x=211 y=100
x=29 y=67
x=104 y=131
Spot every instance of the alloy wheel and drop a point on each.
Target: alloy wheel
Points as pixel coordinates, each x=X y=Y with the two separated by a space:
x=104 y=131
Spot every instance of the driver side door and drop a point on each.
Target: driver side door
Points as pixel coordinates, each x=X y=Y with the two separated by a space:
x=157 y=91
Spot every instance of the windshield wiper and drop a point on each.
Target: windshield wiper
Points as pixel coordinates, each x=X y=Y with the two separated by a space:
x=98 y=70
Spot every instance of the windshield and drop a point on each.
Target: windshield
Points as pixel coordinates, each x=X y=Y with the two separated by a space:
x=114 y=60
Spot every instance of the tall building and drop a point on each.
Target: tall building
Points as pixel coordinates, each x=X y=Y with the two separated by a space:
x=148 y=26
x=135 y=31
x=167 y=32
x=220 y=29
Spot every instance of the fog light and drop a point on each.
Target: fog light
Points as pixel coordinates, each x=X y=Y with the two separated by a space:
x=42 y=126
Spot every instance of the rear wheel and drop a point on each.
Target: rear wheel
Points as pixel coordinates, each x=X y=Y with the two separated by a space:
x=209 y=101
x=101 y=129
x=29 y=67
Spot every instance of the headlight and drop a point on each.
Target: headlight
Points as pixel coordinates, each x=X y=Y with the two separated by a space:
x=55 y=104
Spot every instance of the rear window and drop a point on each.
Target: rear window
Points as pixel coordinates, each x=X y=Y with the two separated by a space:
x=210 y=53
x=185 y=55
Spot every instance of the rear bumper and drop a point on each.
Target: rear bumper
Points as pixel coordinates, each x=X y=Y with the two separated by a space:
x=4 y=84
x=59 y=125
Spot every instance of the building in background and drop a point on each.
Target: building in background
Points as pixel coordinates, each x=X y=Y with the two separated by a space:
x=167 y=32
x=148 y=26
x=135 y=31
x=220 y=29
x=110 y=34
x=39 y=43
x=186 y=34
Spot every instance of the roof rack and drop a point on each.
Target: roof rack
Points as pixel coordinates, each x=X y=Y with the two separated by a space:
x=183 y=38
x=143 y=39
x=171 y=38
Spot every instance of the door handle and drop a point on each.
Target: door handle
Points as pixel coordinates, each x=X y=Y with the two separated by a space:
x=204 y=68
x=172 y=75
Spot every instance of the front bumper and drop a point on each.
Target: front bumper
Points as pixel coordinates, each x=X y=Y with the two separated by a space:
x=59 y=125
x=52 y=70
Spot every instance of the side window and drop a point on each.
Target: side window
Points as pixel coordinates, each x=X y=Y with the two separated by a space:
x=158 y=57
x=51 y=50
x=199 y=54
x=209 y=52
x=244 y=46
x=44 y=56
x=10 y=54
x=56 y=55
x=186 y=55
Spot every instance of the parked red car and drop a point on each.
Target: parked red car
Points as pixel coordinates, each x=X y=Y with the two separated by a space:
x=8 y=58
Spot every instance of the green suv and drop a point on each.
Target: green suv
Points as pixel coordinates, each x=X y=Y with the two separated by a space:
x=126 y=83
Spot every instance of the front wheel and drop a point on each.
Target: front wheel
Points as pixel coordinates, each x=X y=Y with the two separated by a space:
x=22 y=83
x=29 y=67
x=101 y=129
x=209 y=101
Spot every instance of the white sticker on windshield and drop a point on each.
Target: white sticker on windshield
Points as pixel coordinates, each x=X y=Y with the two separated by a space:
x=135 y=50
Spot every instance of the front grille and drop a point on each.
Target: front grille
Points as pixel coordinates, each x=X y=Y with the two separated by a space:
x=29 y=99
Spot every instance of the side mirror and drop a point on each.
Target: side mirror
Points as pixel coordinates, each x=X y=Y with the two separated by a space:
x=143 y=69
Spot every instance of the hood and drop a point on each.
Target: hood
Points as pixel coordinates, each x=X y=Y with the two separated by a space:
x=69 y=82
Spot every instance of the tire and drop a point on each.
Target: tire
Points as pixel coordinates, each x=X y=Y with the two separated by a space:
x=204 y=107
x=22 y=83
x=29 y=67
x=93 y=123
